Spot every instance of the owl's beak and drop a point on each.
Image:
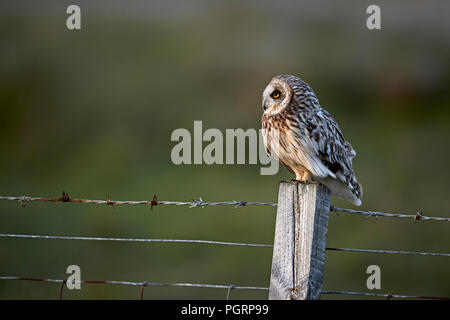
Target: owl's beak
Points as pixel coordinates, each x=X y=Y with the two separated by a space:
x=264 y=104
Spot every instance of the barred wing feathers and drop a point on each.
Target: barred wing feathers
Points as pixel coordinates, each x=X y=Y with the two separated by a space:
x=332 y=149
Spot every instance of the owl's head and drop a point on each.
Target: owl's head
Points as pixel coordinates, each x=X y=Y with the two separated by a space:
x=281 y=91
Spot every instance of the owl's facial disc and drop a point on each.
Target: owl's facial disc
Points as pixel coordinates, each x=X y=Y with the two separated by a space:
x=276 y=97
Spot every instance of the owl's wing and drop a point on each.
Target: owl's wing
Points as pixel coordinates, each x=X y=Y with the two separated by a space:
x=330 y=145
x=334 y=152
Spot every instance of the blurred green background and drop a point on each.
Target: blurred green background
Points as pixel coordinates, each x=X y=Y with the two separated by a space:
x=91 y=112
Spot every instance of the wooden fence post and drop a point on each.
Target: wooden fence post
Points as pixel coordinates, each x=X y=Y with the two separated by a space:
x=300 y=241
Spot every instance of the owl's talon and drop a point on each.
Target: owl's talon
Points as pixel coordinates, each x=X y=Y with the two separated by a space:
x=306 y=177
x=305 y=182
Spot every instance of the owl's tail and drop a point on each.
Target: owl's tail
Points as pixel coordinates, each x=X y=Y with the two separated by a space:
x=341 y=190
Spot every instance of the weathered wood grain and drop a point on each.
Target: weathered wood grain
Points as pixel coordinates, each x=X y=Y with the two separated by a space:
x=300 y=241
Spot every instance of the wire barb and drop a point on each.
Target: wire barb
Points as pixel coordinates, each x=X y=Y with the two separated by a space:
x=418 y=216
x=240 y=204
x=65 y=197
x=144 y=284
x=63 y=283
x=154 y=202
x=197 y=203
x=230 y=287
x=109 y=202
x=23 y=201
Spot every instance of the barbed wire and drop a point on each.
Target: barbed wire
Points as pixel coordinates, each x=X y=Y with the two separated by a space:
x=23 y=200
x=192 y=204
x=384 y=295
x=376 y=214
x=391 y=252
x=228 y=287
x=211 y=242
x=140 y=284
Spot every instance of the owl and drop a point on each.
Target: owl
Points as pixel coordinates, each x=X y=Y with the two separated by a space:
x=306 y=138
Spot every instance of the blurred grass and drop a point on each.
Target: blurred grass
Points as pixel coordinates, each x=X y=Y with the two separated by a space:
x=91 y=112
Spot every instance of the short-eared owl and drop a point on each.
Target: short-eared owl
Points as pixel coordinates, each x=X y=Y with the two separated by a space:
x=306 y=139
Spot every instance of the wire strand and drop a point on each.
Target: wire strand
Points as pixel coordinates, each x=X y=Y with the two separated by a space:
x=391 y=252
x=376 y=214
x=192 y=204
x=35 y=236
x=211 y=242
x=146 y=283
x=216 y=286
x=23 y=200
x=384 y=295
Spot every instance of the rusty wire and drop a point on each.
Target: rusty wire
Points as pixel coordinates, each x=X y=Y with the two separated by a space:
x=230 y=287
x=141 y=285
x=192 y=204
x=23 y=200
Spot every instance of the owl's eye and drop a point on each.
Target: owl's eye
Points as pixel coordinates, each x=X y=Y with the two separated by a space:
x=276 y=94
